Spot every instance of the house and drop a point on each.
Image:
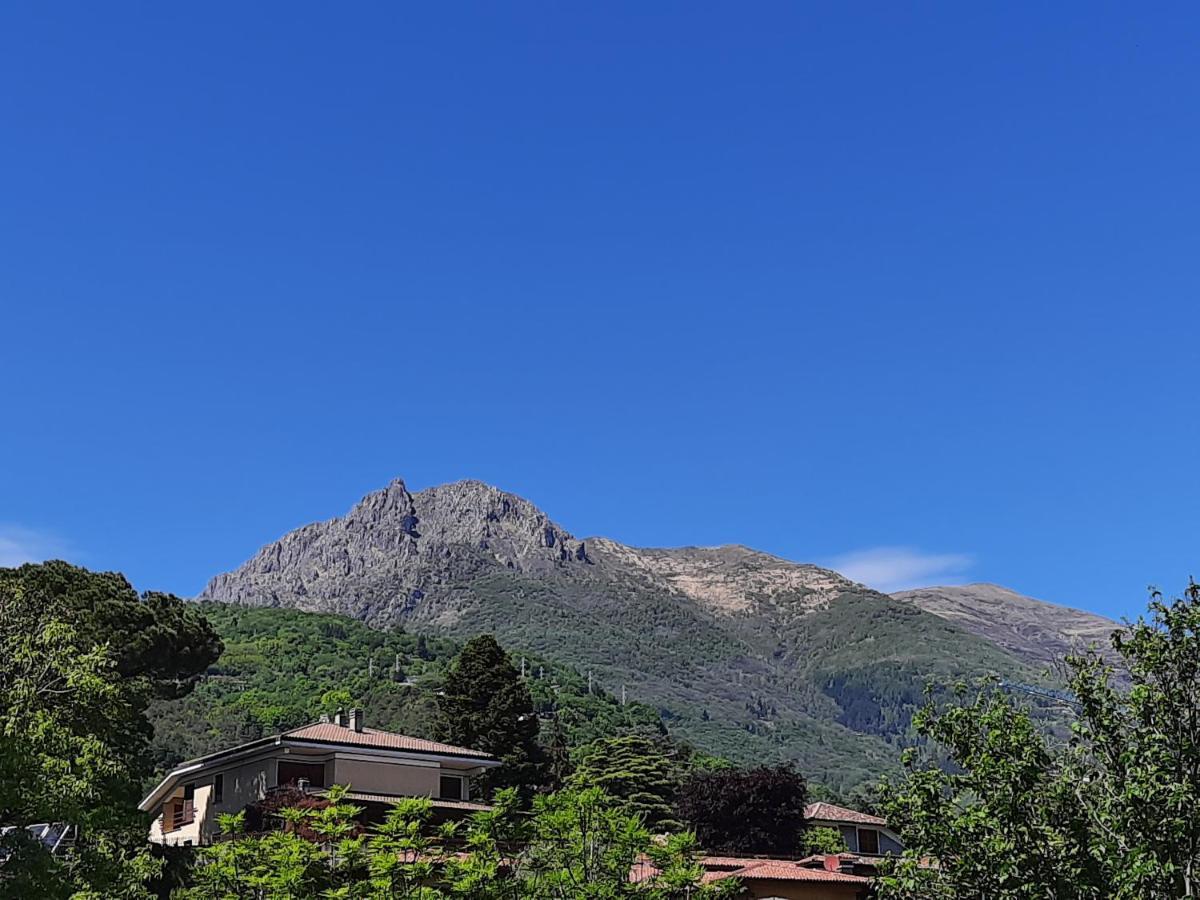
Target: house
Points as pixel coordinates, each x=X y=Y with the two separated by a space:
x=775 y=879
x=864 y=834
x=378 y=766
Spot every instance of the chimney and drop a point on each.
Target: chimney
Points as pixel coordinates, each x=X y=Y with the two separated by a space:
x=324 y=718
x=356 y=718
x=339 y=718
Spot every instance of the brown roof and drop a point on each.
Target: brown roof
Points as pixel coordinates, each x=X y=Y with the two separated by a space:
x=718 y=868
x=330 y=733
x=828 y=812
x=780 y=870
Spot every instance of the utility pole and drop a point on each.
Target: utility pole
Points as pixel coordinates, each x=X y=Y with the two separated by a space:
x=622 y=695
x=522 y=668
x=589 y=681
x=371 y=667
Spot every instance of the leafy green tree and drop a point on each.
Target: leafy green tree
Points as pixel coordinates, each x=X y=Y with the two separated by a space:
x=576 y=844
x=823 y=840
x=1110 y=815
x=582 y=844
x=73 y=734
x=635 y=769
x=486 y=706
x=739 y=811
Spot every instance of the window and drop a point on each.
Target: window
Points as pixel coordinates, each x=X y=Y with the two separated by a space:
x=291 y=772
x=451 y=787
x=868 y=841
x=218 y=788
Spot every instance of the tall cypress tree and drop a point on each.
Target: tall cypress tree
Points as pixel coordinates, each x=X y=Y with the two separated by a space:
x=486 y=706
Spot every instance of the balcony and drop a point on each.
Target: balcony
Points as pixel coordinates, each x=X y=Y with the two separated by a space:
x=182 y=812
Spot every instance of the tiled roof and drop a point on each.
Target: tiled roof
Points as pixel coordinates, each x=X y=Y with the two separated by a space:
x=331 y=733
x=718 y=868
x=828 y=812
x=778 y=870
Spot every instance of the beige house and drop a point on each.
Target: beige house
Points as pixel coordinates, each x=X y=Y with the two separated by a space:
x=378 y=766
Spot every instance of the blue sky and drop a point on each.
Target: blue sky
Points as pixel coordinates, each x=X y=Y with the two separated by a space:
x=907 y=288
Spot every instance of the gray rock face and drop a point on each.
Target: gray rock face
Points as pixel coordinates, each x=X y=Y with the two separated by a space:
x=1041 y=633
x=395 y=550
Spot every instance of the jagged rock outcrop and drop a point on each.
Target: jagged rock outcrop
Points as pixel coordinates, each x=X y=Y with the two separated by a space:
x=396 y=550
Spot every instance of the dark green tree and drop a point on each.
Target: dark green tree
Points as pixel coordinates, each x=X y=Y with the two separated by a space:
x=485 y=705
x=637 y=770
x=740 y=811
x=74 y=685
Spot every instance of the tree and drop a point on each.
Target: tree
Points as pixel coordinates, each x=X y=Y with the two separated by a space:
x=1110 y=815
x=636 y=770
x=486 y=706
x=156 y=639
x=576 y=844
x=73 y=733
x=739 y=811
x=824 y=840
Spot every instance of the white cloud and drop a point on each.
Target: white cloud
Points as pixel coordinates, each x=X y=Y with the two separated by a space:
x=21 y=545
x=900 y=568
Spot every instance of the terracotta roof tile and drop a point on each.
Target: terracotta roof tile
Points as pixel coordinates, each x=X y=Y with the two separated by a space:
x=331 y=733
x=828 y=812
x=787 y=871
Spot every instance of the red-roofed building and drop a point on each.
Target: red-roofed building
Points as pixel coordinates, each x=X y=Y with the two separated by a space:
x=379 y=767
x=864 y=834
x=777 y=879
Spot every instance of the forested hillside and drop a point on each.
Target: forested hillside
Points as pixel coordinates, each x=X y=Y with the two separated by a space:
x=282 y=668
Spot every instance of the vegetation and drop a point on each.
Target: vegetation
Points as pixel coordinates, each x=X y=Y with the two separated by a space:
x=824 y=840
x=1110 y=814
x=486 y=705
x=282 y=668
x=576 y=844
x=751 y=811
x=642 y=773
x=81 y=655
x=832 y=688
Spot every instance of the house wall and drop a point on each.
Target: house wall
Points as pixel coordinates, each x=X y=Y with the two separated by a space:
x=798 y=890
x=188 y=834
x=887 y=843
x=381 y=777
x=244 y=784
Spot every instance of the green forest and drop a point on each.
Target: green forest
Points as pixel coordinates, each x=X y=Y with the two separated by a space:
x=1089 y=793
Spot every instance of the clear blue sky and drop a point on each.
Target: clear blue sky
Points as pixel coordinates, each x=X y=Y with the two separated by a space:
x=911 y=288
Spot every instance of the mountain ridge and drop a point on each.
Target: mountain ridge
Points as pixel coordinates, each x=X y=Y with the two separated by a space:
x=742 y=652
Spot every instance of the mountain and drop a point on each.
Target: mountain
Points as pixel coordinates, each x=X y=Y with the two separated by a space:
x=743 y=654
x=1038 y=632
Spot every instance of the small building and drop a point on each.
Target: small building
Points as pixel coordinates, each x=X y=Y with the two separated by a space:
x=378 y=766
x=864 y=834
x=775 y=879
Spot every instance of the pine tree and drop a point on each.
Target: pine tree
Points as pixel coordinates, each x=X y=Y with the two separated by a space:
x=634 y=769
x=486 y=706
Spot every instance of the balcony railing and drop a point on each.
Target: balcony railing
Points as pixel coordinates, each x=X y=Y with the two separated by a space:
x=183 y=813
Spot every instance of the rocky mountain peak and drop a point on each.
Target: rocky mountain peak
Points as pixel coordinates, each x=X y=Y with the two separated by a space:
x=395 y=552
